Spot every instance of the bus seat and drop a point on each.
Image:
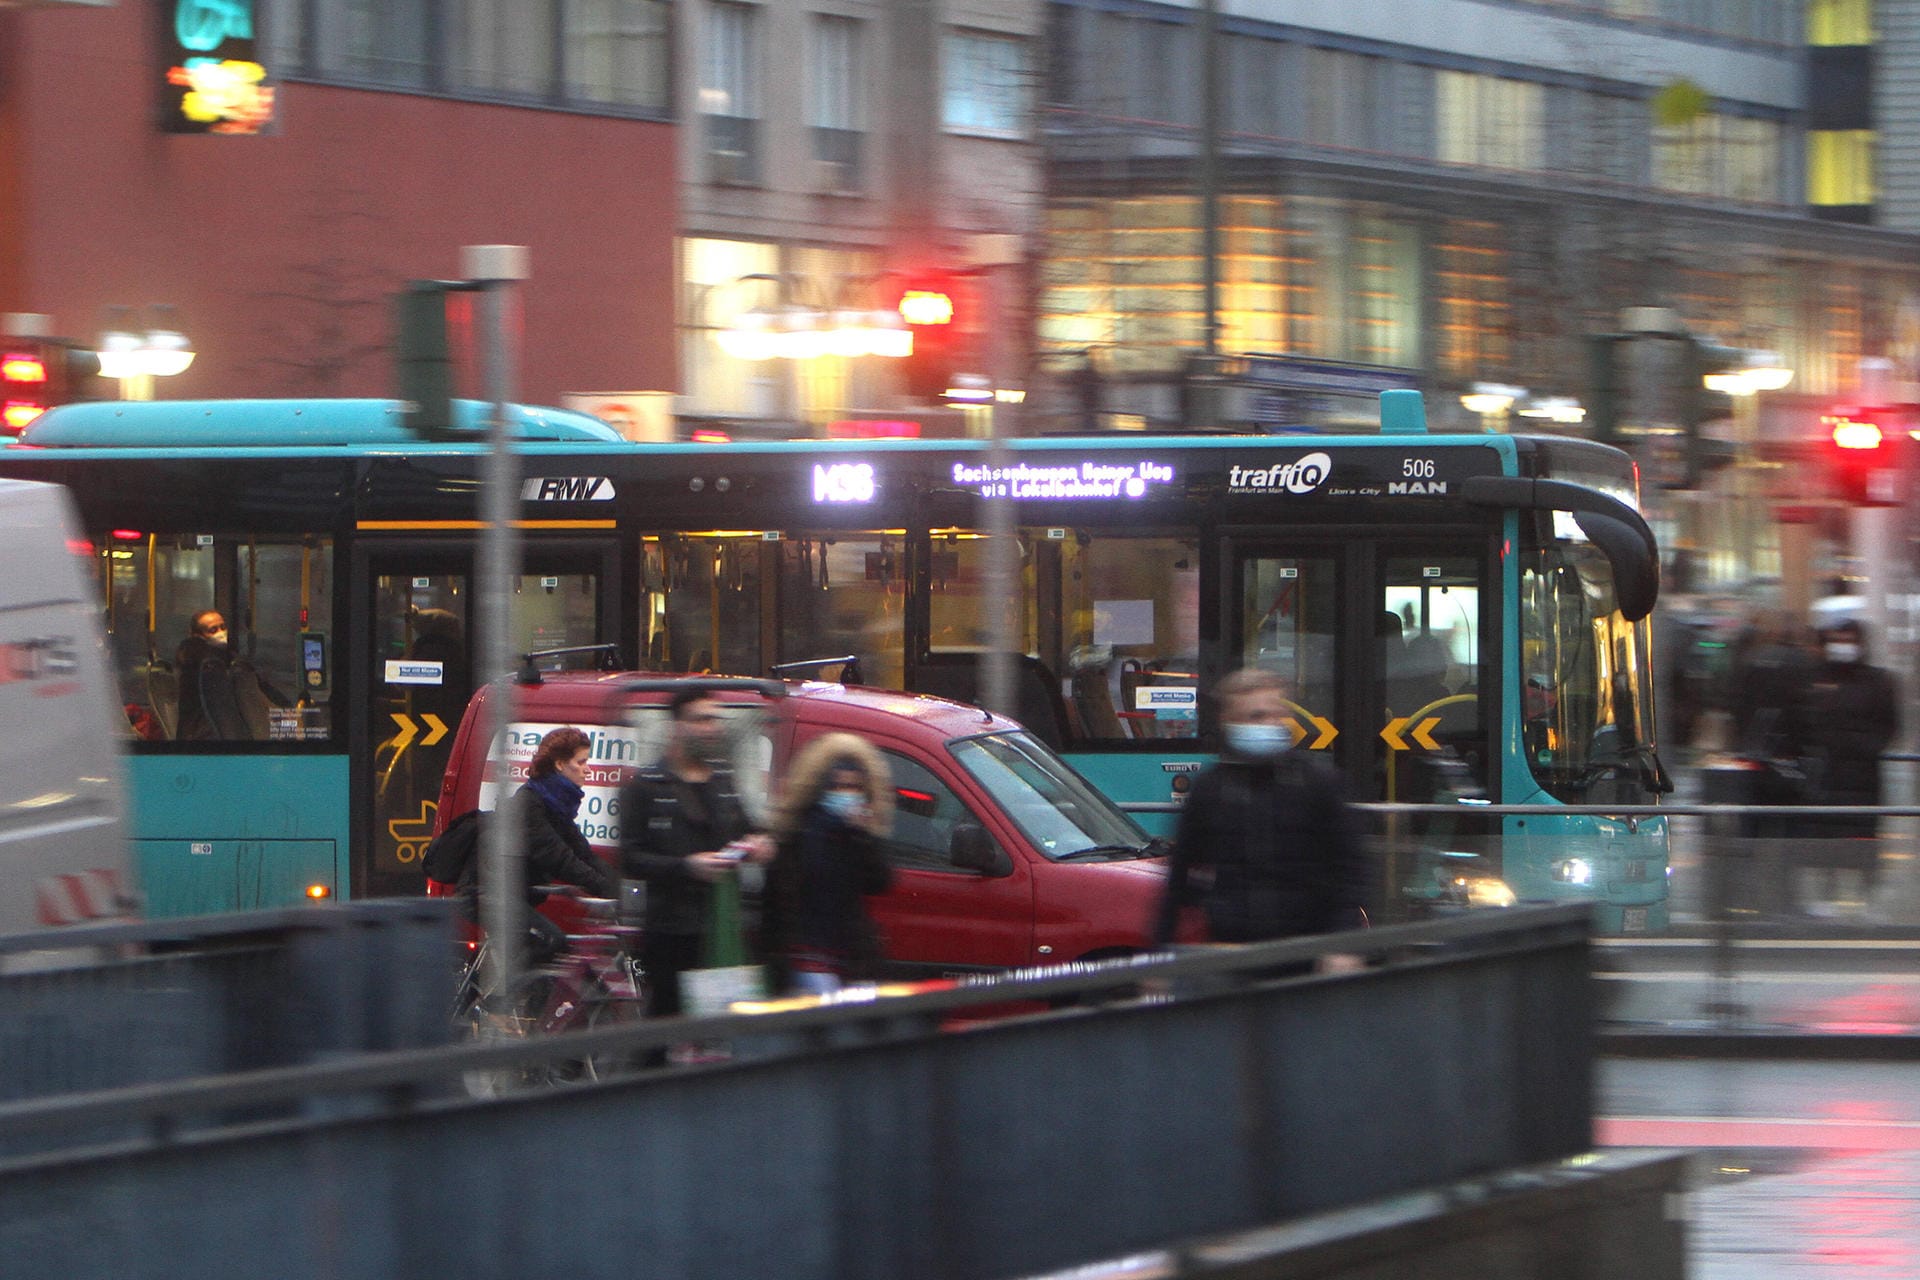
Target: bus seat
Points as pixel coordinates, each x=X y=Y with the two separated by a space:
x=1094 y=697
x=1036 y=693
x=163 y=696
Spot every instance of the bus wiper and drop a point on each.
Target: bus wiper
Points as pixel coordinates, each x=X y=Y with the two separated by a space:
x=1652 y=773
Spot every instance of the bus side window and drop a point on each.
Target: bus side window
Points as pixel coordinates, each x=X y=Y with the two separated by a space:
x=179 y=684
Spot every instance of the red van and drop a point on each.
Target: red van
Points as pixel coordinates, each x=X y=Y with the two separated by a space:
x=1003 y=855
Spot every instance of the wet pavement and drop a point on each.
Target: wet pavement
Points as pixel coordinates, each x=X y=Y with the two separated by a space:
x=1804 y=1171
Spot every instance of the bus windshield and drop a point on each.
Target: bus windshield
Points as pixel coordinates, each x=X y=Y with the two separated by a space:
x=1587 y=685
x=1056 y=809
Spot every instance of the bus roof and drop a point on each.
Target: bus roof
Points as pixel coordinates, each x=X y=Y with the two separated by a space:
x=279 y=424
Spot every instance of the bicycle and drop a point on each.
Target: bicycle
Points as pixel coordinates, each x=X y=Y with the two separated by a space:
x=596 y=982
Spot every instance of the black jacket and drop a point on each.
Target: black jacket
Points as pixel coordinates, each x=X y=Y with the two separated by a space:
x=1270 y=850
x=1848 y=714
x=664 y=820
x=209 y=711
x=817 y=885
x=556 y=854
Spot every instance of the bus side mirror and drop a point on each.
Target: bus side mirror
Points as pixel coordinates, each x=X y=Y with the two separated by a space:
x=971 y=849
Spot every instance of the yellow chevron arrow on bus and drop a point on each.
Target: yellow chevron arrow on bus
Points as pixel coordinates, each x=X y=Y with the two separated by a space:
x=1392 y=733
x=1299 y=730
x=1423 y=732
x=1324 y=730
x=437 y=730
x=407 y=730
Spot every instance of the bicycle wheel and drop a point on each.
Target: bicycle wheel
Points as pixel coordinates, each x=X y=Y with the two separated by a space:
x=613 y=1011
x=492 y=1022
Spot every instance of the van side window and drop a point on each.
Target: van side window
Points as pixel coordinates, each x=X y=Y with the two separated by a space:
x=925 y=813
x=270 y=679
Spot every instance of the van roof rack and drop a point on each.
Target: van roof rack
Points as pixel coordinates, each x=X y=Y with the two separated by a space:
x=849 y=668
x=529 y=672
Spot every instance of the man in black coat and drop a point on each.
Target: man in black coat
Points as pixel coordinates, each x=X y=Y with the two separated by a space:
x=1848 y=713
x=1266 y=845
x=676 y=819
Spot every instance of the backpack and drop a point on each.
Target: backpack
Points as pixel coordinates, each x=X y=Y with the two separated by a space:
x=448 y=854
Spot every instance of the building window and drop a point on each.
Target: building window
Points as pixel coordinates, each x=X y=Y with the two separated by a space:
x=616 y=52
x=836 y=104
x=986 y=84
x=722 y=280
x=1489 y=120
x=609 y=56
x=1840 y=167
x=1839 y=22
x=505 y=46
x=1470 y=284
x=730 y=94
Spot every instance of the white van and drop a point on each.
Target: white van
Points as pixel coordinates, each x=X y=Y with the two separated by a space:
x=63 y=843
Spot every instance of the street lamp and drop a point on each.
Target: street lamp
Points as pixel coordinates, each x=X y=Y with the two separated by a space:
x=1491 y=400
x=136 y=358
x=793 y=331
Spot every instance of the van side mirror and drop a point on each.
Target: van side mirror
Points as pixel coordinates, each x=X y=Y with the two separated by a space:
x=972 y=849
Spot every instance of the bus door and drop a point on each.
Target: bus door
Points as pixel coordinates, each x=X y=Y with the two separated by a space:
x=1385 y=643
x=1380 y=640
x=418 y=670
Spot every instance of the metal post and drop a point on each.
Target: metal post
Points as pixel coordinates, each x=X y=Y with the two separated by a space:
x=1001 y=577
x=495 y=268
x=1210 y=175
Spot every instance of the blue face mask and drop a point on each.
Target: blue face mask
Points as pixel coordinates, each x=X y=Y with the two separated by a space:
x=1258 y=741
x=844 y=805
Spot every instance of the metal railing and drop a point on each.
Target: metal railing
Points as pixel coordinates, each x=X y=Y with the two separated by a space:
x=857 y=1138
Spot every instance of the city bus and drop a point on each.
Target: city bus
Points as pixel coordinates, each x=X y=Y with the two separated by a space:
x=1459 y=618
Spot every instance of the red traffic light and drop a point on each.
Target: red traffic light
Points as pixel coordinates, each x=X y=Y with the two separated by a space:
x=1864 y=461
x=1855 y=433
x=23 y=389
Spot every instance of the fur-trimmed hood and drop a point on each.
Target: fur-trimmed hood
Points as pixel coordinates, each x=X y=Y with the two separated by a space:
x=807 y=777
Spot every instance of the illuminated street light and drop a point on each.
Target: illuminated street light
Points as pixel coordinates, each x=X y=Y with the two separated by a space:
x=135 y=358
x=1758 y=371
x=1490 y=399
x=1561 y=409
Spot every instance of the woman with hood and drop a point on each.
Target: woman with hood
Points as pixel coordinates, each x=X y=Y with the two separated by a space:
x=837 y=807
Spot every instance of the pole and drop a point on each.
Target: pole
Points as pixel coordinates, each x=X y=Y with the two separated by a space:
x=495 y=268
x=1002 y=568
x=1210 y=176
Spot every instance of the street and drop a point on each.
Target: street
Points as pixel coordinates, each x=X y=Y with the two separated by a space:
x=1806 y=1170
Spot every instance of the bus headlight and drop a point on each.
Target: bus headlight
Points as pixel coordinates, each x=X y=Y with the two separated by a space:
x=1483 y=891
x=1573 y=871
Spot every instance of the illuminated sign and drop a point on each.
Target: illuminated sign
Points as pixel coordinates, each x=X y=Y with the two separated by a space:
x=1068 y=481
x=843 y=482
x=1301 y=475
x=213 y=80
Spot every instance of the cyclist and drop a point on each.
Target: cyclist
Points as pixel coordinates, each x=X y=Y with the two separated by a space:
x=557 y=853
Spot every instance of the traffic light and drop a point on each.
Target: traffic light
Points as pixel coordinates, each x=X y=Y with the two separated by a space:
x=1603 y=386
x=1700 y=403
x=38 y=373
x=1863 y=454
x=935 y=310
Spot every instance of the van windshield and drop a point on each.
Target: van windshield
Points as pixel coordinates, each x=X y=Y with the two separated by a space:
x=1055 y=808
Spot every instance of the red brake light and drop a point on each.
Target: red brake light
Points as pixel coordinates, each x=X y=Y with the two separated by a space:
x=18 y=413
x=127 y=535
x=708 y=436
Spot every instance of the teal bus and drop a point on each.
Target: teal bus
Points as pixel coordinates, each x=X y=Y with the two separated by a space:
x=1461 y=618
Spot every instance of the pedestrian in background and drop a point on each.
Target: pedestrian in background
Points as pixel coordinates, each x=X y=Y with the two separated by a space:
x=838 y=806
x=1847 y=715
x=1267 y=845
x=677 y=819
